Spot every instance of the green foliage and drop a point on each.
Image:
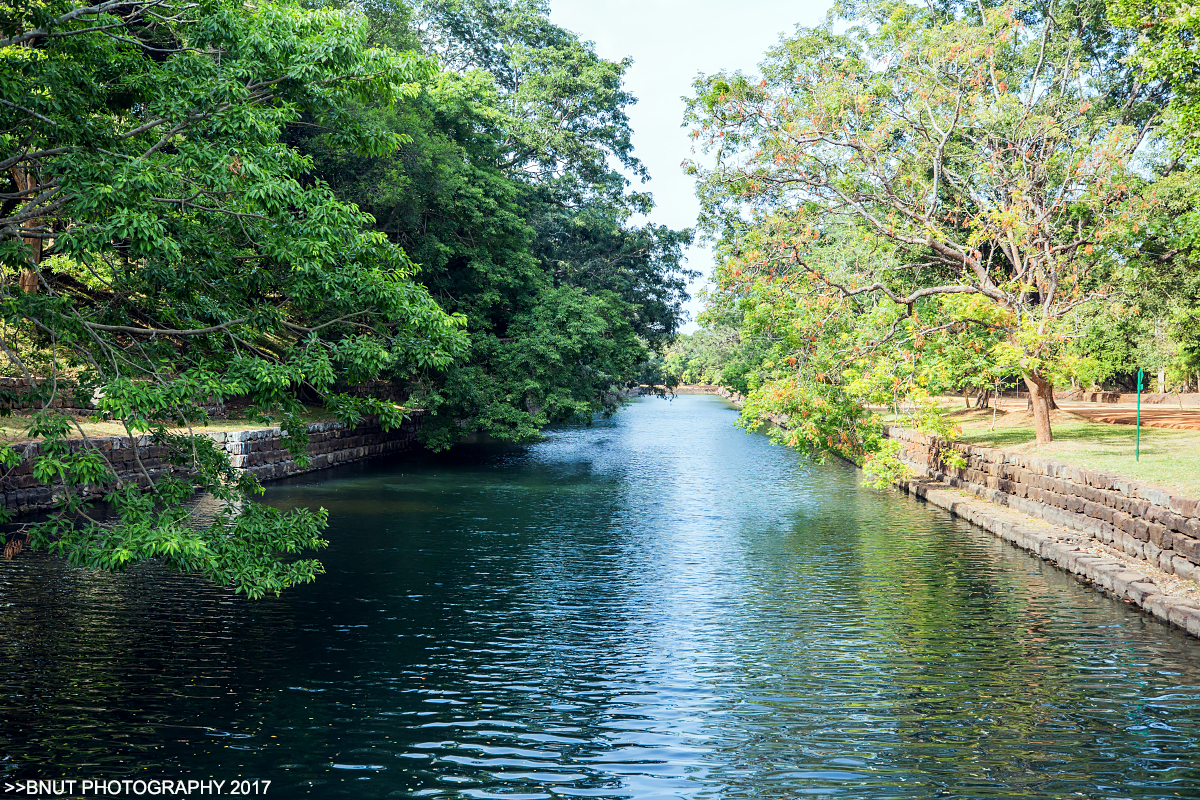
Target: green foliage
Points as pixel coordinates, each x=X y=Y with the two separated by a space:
x=1166 y=36
x=221 y=201
x=1161 y=268
x=913 y=200
x=702 y=357
x=505 y=193
x=187 y=257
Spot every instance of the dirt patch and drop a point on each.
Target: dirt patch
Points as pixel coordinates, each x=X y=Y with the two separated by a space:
x=1177 y=419
x=1012 y=419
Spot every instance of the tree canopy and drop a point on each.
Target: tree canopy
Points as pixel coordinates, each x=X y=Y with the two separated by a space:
x=508 y=194
x=297 y=205
x=911 y=198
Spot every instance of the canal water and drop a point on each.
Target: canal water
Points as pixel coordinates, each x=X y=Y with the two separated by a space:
x=656 y=606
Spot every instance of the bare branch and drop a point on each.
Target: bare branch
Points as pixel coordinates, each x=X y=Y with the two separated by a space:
x=164 y=331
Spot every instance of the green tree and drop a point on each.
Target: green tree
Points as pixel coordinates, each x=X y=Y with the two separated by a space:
x=1166 y=51
x=506 y=195
x=926 y=170
x=183 y=256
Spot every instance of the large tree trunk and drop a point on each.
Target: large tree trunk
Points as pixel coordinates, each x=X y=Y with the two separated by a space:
x=1041 y=400
x=29 y=277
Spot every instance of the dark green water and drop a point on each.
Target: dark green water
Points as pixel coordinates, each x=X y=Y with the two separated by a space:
x=657 y=606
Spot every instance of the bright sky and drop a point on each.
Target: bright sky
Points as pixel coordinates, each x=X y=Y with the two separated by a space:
x=671 y=42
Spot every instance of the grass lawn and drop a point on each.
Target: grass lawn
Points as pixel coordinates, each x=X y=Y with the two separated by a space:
x=1169 y=458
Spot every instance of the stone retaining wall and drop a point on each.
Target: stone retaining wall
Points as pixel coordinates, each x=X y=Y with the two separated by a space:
x=17 y=390
x=259 y=452
x=1139 y=583
x=262 y=453
x=1143 y=521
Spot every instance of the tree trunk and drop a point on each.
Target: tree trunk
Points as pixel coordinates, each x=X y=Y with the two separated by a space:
x=967 y=398
x=1041 y=400
x=29 y=277
x=984 y=399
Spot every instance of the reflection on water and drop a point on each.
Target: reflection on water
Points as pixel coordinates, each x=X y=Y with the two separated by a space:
x=656 y=606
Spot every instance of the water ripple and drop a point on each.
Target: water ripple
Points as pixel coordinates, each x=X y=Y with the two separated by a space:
x=655 y=606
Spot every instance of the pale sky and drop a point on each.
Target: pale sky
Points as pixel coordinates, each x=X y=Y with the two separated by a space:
x=671 y=43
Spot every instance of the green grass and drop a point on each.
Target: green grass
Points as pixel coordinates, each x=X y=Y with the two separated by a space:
x=1169 y=458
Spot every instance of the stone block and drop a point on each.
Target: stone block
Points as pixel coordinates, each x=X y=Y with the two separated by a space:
x=1181 y=612
x=1187 y=547
x=1155 y=496
x=1138 y=591
x=1102 y=575
x=1184 y=506
x=1159 y=605
x=1184 y=568
x=1152 y=552
x=1191 y=620
x=1171 y=520
x=1129 y=544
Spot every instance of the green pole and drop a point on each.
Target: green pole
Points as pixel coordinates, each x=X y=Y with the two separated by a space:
x=1138 y=452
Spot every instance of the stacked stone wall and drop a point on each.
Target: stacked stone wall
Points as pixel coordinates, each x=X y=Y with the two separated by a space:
x=1144 y=521
x=260 y=452
x=18 y=390
x=263 y=454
